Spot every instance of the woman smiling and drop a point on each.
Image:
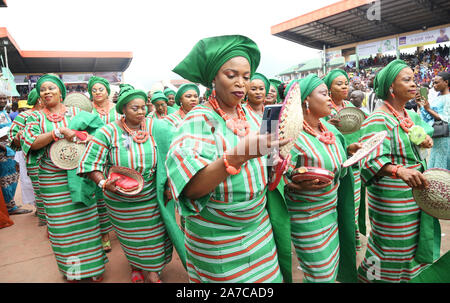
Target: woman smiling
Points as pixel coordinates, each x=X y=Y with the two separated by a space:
x=259 y=88
x=73 y=227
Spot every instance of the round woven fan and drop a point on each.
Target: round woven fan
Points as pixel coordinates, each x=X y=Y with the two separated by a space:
x=79 y=100
x=351 y=119
x=435 y=200
x=65 y=154
x=127 y=173
x=290 y=126
x=366 y=148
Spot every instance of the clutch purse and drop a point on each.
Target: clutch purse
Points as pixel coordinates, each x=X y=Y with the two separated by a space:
x=125 y=183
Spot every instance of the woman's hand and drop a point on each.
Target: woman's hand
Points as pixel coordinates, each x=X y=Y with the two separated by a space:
x=353 y=148
x=334 y=121
x=89 y=138
x=412 y=177
x=110 y=185
x=254 y=145
x=427 y=143
x=307 y=185
x=167 y=196
x=68 y=133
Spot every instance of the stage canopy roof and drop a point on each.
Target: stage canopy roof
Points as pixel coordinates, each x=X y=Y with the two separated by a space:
x=28 y=62
x=347 y=22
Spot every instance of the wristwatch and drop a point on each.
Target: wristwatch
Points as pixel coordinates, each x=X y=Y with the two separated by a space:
x=101 y=183
x=58 y=133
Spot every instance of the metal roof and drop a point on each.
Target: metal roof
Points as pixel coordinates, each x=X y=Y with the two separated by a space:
x=347 y=21
x=27 y=62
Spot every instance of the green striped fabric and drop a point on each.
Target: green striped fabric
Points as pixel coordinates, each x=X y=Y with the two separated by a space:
x=32 y=166
x=394 y=216
x=229 y=235
x=356 y=170
x=105 y=223
x=314 y=221
x=173 y=119
x=136 y=219
x=73 y=228
x=112 y=116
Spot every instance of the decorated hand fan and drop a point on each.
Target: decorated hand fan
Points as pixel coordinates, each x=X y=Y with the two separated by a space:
x=366 y=148
x=311 y=173
x=435 y=200
x=351 y=119
x=79 y=100
x=65 y=154
x=290 y=126
x=130 y=181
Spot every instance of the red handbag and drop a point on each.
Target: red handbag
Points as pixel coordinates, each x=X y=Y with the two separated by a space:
x=81 y=135
x=124 y=182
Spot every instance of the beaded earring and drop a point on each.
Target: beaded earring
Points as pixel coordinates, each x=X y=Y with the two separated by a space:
x=307 y=108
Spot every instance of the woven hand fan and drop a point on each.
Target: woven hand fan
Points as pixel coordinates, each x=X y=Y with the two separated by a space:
x=65 y=154
x=435 y=200
x=79 y=100
x=351 y=119
x=290 y=126
x=366 y=148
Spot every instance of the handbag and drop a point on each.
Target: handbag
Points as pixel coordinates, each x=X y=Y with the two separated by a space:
x=440 y=129
x=125 y=183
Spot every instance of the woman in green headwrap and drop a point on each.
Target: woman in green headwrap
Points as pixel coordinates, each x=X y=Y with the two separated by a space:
x=99 y=90
x=403 y=239
x=259 y=88
x=159 y=101
x=221 y=192
x=170 y=95
x=319 y=211
x=73 y=228
x=272 y=96
x=337 y=82
x=186 y=99
x=142 y=222
x=32 y=168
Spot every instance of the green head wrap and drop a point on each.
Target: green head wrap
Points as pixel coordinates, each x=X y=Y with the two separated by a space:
x=93 y=80
x=308 y=84
x=128 y=93
x=159 y=95
x=208 y=55
x=328 y=79
x=168 y=91
x=263 y=79
x=33 y=96
x=384 y=79
x=54 y=79
x=275 y=83
x=184 y=88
